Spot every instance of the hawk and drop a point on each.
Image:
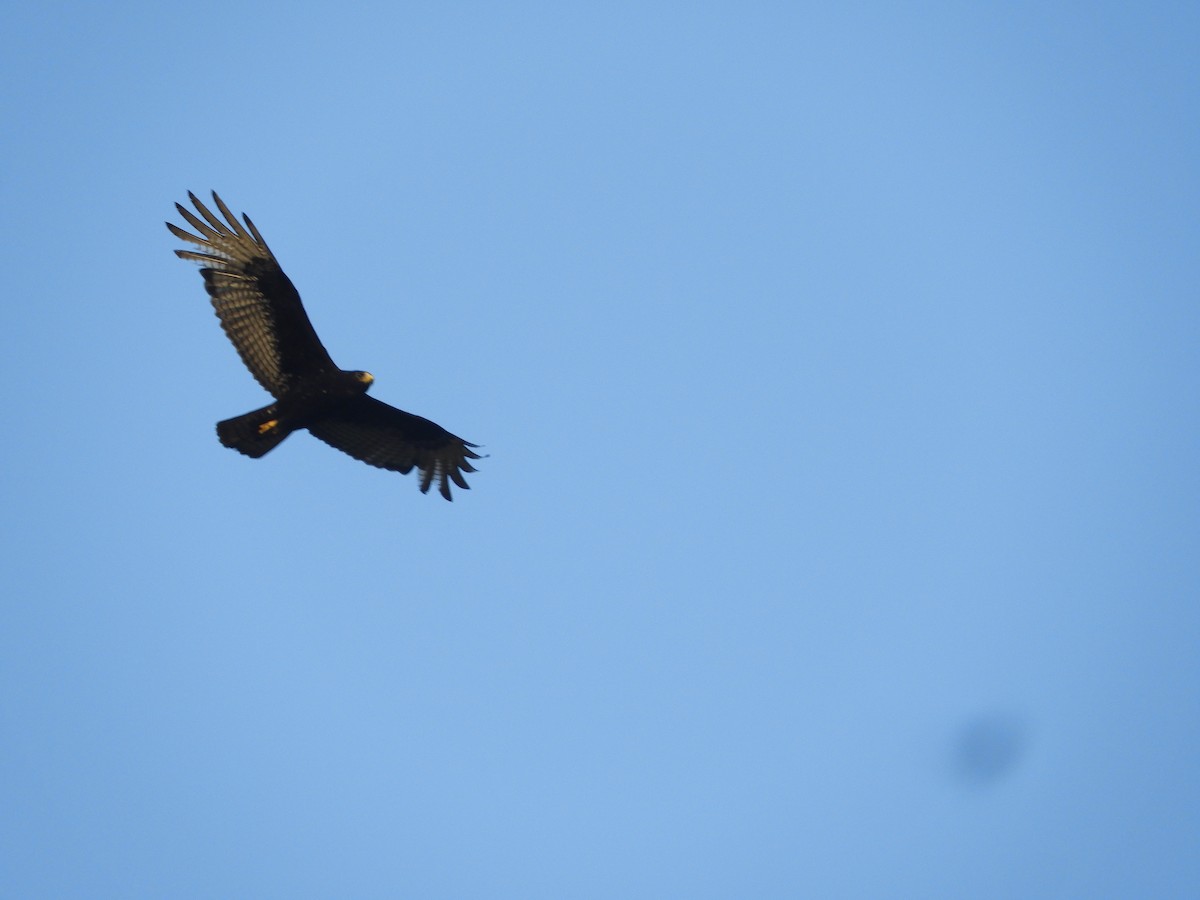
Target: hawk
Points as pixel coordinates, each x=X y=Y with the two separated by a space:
x=261 y=312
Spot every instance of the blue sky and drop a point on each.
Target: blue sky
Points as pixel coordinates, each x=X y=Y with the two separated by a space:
x=837 y=364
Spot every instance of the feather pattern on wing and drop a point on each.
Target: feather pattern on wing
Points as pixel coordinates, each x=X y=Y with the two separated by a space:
x=257 y=304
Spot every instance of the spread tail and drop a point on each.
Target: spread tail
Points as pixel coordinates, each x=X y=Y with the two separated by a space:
x=255 y=433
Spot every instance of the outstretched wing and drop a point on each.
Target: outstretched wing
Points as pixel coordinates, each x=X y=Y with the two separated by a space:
x=256 y=302
x=390 y=438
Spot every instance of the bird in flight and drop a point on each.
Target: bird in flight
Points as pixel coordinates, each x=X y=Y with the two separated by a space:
x=262 y=314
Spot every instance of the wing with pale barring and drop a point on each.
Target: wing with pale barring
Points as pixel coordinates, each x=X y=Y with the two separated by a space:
x=257 y=303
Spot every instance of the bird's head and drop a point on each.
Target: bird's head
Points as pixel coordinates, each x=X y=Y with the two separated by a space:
x=366 y=378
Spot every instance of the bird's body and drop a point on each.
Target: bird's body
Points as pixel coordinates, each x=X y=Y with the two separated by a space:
x=306 y=402
x=261 y=312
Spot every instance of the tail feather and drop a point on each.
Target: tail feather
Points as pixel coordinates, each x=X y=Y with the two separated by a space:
x=255 y=433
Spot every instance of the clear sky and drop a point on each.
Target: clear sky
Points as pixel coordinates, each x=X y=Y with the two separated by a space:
x=838 y=366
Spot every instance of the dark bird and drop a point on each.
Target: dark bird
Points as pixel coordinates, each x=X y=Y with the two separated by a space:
x=262 y=314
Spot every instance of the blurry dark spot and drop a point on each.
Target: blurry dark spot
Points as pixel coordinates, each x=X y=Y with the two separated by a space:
x=988 y=748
